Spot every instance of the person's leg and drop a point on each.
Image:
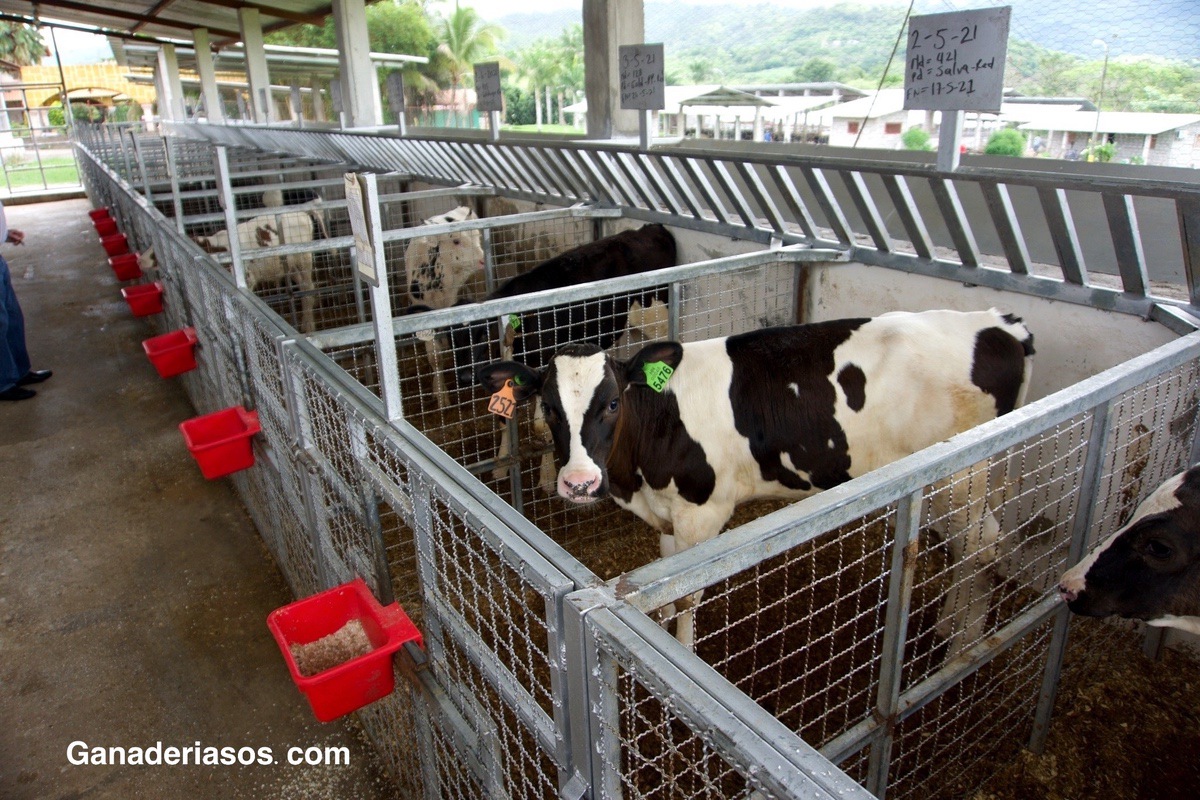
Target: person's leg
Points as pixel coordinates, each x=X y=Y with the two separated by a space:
x=14 y=357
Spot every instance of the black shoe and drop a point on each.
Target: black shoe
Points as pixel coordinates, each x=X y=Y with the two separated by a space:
x=34 y=376
x=17 y=393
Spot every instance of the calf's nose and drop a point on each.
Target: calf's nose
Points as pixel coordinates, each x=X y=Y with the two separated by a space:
x=577 y=484
x=1068 y=595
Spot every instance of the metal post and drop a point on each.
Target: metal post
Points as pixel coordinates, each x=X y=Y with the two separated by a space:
x=301 y=433
x=895 y=632
x=370 y=498
x=173 y=175
x=1088 y=488
x=225 y=189
x=644 y=135
x=949 y=138
x=381 y=307
x=141 y=162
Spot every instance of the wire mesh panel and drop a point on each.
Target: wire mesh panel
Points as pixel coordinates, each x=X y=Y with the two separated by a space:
x=492 y=632
x=657 y=734
x=953 y=743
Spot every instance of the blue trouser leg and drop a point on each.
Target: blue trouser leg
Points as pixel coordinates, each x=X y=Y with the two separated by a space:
x=14 y=358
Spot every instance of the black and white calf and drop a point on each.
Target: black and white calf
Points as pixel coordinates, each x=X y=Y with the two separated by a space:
x=438 y=267
x=539 y=333
x=602 y=322
x=1150 y=568
x=782 y=412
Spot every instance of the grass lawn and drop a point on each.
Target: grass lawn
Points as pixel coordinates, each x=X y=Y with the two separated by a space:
x=59 y=171
x=546 y=128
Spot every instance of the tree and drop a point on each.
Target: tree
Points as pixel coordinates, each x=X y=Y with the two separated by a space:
x=701 y=70
x=571 y=74
x=916 y=139
x=816 y=70
x=21 y=44
x=539 y=66
x=465 y=39
x=396 y=27
x=1006 y=142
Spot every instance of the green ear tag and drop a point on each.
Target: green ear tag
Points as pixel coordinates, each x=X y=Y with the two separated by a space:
x=518 y=380
x=514 y=321
x=657 y=373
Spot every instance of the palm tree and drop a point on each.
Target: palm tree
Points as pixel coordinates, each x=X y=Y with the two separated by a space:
x=539 y=66
x=21 y=44
x=571 y=74
x=465 y=39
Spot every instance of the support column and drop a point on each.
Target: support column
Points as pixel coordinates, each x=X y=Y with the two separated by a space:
x=208 y=76
x=608 y=24
x=257 y=74
x=170 y=101
x=360 y=88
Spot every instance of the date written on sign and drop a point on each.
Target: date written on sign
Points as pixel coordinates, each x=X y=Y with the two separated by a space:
x=955 y=60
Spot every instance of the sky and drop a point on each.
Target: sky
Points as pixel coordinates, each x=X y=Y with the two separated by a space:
x=77 y=48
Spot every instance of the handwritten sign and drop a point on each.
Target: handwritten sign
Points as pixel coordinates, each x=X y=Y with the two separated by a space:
x=642 y=84
x=488 y=96
x=395 y=91
x=364 y=251
x=955 y=61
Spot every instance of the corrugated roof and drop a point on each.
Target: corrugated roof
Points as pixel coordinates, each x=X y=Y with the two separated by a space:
x=1145 y=123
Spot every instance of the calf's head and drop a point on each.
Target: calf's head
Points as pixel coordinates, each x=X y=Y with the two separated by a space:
x=439 y=266
x=1149 y=569
x=584 y=395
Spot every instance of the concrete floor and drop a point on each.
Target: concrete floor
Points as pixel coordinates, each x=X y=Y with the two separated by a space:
x=133 y=593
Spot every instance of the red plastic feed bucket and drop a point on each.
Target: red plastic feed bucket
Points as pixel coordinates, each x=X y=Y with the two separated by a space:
x=355 y=683
x=125 y=266
x=220 y=442
x=115 y=244
x=144 y=299
x=105 y=226
x=99 y=213
x=172 y=353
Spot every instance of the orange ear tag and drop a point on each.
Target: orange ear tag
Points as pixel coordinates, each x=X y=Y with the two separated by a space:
x=503 y=403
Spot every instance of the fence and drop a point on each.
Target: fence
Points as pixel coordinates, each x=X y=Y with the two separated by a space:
x=35 y=153
x=817 y=644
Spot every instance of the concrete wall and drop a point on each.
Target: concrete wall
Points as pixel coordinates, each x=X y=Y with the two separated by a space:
x=1073 y=342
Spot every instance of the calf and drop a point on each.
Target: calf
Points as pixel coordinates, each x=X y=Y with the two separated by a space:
x=1149 y=569
x=275 y=230
x=535 y=335
x=437 y=268
x=781 y=412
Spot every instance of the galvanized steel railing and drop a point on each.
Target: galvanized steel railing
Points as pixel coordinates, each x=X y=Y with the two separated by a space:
x=622 y=703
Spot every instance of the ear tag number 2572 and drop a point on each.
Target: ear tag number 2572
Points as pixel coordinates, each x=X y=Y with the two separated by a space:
x=503 y=402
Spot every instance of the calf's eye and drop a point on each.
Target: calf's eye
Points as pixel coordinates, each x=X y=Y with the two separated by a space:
x=1158 y=549
x=614 y=403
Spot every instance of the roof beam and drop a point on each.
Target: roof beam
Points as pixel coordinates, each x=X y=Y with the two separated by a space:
x=272 y=11
x=99 y=31
x=152 y=12
x=70 y=5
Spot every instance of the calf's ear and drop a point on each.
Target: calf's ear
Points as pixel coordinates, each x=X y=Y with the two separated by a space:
x=526 y=382
x=669 y=353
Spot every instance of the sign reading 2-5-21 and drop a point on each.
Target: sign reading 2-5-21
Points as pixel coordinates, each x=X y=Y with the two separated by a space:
x=956 y=60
